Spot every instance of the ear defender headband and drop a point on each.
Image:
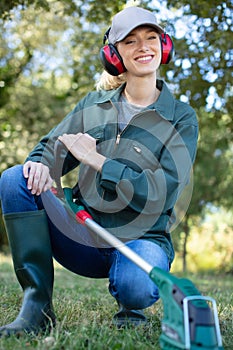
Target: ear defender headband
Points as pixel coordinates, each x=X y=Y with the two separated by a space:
x=113 y=62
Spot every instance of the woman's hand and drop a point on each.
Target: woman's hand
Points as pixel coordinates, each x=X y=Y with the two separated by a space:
x=39 y=179
x=83 y=148
x=79 y=145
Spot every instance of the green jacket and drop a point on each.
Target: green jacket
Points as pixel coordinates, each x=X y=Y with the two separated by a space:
x=148 y=164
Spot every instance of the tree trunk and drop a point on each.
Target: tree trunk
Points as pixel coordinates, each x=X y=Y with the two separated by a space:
x=186 y=234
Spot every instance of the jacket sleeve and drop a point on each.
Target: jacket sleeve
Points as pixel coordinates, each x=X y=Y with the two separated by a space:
x=44 y=150
x=156 y=190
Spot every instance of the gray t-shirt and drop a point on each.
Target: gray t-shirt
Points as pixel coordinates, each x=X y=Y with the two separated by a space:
x=126 y=111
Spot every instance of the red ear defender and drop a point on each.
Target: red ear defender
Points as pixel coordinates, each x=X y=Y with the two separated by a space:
x=167 y=47
x=112 y=60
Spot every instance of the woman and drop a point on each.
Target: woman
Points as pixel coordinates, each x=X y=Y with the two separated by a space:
x=134 y=145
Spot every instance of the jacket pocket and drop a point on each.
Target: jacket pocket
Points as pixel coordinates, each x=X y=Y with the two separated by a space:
x=136 y=155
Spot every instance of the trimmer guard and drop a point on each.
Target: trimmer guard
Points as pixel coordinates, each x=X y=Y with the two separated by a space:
x=189 y=323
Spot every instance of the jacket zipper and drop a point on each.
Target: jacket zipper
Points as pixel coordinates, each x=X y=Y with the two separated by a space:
x=118 y=137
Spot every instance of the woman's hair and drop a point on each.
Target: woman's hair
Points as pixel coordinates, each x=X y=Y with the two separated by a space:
x=110 y=82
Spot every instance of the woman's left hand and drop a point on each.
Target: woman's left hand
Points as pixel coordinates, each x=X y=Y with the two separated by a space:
x=83 y=148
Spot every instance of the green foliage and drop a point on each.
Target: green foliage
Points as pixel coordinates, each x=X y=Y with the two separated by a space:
x=34 y=95
x=215 y=232
x=49 y=60
x=7 y=7
x=202 y=75
x=207 y=45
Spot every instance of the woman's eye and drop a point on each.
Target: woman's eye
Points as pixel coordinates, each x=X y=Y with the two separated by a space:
x=129 y=42
x=154 y=37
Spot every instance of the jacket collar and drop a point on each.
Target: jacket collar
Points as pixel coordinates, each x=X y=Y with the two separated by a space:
x=165 y=104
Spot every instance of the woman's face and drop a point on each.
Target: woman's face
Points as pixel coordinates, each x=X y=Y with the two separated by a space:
x=141 y=51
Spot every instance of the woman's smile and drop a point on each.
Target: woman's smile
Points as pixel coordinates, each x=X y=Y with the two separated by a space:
x=144 y=59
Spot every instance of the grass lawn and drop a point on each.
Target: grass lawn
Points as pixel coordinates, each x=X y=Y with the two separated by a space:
x=84 y=310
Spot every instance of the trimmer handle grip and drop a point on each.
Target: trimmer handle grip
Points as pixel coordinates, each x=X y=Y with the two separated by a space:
x=58 y=165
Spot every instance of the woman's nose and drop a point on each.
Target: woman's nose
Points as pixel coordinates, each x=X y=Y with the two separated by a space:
x=143 y=46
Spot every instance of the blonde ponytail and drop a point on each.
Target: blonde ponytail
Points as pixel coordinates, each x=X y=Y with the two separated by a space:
x=110 y=82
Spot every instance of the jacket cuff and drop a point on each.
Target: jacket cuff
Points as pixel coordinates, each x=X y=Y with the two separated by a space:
x=111 y=175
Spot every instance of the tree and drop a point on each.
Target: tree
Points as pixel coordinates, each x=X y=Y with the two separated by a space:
x=51 y=61
x=49 y=58
x=202 y=75
x=205 y=54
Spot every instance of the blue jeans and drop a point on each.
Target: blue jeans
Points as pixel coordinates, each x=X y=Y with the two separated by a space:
x=75 y=248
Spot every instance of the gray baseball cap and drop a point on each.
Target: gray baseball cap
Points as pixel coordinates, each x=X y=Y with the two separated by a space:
x=128 y=19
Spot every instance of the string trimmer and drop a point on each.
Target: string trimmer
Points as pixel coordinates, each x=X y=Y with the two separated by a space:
x=190 y=320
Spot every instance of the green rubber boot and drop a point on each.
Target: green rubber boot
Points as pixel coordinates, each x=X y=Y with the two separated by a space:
x=29 y=241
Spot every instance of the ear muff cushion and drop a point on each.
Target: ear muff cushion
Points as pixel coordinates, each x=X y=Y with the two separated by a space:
x=167 y=48
x=112 y=60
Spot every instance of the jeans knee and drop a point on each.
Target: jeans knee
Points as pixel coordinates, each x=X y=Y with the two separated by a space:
x=138 y=293
x=10 y=179
x=13 y=191
x=129 y=284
